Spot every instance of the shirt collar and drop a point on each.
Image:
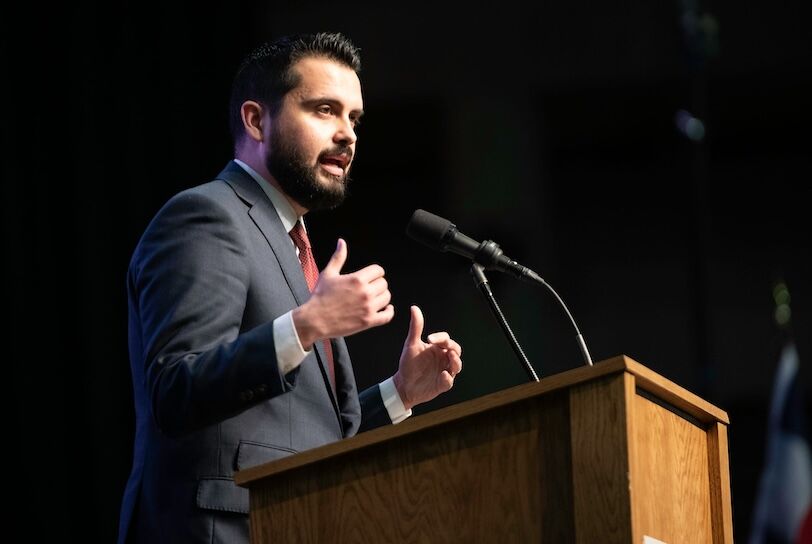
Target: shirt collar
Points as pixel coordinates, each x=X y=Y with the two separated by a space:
x=284 y=210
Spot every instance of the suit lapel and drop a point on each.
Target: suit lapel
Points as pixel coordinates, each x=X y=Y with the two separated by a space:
x=266 y=219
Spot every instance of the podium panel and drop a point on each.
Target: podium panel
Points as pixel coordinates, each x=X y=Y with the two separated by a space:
x=610 y=453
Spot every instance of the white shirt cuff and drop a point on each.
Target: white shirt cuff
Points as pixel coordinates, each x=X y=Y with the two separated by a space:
x=393 y=402
x=289 y=350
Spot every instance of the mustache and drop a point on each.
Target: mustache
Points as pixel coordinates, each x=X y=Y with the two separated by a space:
x=337 y=150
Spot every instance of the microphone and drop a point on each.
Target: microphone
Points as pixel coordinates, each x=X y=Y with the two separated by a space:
x=442 y=235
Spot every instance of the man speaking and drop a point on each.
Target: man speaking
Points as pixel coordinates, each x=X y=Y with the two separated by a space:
x=235 y=337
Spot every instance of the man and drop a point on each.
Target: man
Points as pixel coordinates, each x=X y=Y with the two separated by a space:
x=236 y=359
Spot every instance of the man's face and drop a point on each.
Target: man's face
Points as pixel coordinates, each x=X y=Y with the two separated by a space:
x=312 y=137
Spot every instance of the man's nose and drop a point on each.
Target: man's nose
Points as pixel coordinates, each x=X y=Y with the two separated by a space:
x=345 y=133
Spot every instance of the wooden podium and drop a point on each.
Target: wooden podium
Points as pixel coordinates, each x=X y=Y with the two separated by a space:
x=612 y=453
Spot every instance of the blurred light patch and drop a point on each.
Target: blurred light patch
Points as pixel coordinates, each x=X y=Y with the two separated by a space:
x=782 y=314
x=781 y=293
x=690 y=126
x=782 y=299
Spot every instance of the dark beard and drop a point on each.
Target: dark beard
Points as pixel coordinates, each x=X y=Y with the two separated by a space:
x=298 y=179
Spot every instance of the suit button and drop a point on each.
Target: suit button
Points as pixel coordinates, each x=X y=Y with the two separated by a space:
x=262 y=388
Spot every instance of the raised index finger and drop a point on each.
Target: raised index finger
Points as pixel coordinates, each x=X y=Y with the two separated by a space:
x=443 y=340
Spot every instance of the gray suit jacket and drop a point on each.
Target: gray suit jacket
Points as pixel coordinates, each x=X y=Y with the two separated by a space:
x=211 y=272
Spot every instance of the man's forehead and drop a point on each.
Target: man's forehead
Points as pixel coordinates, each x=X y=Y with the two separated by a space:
x=323 y=76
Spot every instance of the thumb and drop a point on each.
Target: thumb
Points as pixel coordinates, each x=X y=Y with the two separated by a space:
x=415 y=326
x=336 y=262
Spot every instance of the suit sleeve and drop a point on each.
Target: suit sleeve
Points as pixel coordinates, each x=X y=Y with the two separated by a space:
x=188 y=284
x=373 y=410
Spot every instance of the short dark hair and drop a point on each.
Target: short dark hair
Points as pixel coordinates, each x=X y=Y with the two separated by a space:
x=265 y=75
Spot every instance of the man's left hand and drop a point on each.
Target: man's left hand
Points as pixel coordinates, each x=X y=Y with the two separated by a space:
x=426 y=369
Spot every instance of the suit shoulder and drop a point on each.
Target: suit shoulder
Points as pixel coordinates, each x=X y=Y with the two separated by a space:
x=206 y=210
x=214 y=199
x=215 y=193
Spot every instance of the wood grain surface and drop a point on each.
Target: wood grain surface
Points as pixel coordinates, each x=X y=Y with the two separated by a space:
x=608 y=454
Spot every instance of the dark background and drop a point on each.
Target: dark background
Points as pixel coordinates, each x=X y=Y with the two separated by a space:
x=549 y=129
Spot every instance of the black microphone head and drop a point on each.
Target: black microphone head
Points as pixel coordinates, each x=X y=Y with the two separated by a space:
x=429 y=229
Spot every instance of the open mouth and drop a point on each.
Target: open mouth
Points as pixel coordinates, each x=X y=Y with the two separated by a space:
x=335 y=164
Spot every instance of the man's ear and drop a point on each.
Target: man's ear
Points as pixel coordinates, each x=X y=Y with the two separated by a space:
x=252 y=114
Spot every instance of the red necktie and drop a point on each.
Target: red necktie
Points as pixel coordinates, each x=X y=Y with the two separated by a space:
x=311 y=274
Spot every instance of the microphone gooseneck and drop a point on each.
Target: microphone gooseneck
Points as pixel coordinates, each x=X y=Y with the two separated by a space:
x=578 y=336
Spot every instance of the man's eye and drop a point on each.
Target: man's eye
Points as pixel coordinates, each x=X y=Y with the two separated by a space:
x=324 y=109
x=356 y=123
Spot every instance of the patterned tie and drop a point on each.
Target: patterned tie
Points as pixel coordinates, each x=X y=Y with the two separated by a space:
x=311 y=274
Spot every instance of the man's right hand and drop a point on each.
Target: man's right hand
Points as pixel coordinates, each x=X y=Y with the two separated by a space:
x=343 y=304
